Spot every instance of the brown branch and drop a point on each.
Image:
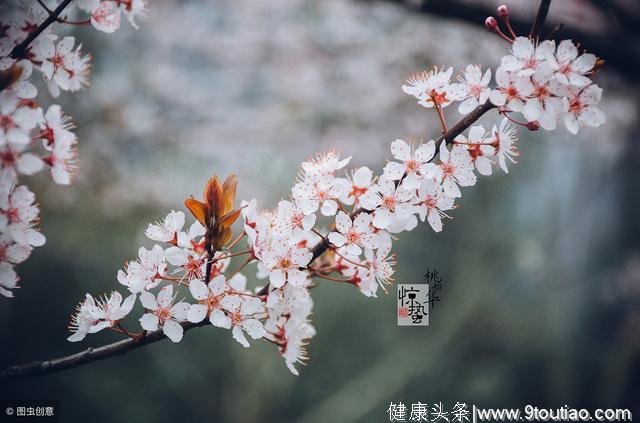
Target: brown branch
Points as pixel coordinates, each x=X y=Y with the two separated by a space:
x=39 y=368
x=20 y=50
x=543 y=11
x=464 y=124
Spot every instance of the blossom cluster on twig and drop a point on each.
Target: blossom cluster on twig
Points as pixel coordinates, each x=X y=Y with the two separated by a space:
x=33 y=137
x=187 y=278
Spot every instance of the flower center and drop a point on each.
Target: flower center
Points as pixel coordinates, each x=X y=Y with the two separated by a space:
x=438 y=98
x=530 y=63
x=576 y=106
x=284 y=263
x=8 y=158
x=389 y=202
x=353 y=237
x=212 y=302
x=357 y=191
x=163 y=314
x=541 y=92
x=412 y=165
x=475 y=90
x=447 y=169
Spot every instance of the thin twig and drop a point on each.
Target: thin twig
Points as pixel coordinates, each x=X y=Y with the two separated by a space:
x=20 y=50
x=543 y=10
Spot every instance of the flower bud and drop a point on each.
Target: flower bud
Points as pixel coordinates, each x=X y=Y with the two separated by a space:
x=533 y=126
x=491 y=23
x=503 y=11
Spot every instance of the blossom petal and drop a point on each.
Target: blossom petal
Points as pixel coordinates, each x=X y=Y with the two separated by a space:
x=173 y=330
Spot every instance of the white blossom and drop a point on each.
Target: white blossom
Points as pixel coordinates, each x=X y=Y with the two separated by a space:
x=473 y=89
x=164 y=312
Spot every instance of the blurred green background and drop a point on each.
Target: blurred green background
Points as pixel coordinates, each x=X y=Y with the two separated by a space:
x=541 y=267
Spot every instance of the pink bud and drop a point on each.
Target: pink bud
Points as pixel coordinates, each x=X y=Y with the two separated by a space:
x=533 y=126
x=503 y=11
x=491 y=23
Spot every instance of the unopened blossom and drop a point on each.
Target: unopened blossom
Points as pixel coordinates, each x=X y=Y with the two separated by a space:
x=455 y=168
x=388 y=203
x=164 y=312
x=240 y=317
x=527 y=57
x=353 y=234
x=580 y=108
x=106 y=17
x=411 y=163
x=479 y=148
x=359 y=182
x=320 y=192
x=569 y=66
x=433 y=203
x=109 y=310
x=167 y=230
x=505 y=136
x=285 y=262
x=473 y=88
x=82 y=320
x=209 y=297
x=431 y=88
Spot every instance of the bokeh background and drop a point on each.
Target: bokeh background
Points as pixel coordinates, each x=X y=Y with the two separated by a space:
x=541 y=267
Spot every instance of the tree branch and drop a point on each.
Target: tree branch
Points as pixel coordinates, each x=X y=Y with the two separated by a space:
x=20 y=50
x=39 y=368
x=543 y=11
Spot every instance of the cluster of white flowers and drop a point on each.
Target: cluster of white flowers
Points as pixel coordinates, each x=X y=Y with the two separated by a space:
x=32 y=138
x=544 y=83
x=295 y=252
